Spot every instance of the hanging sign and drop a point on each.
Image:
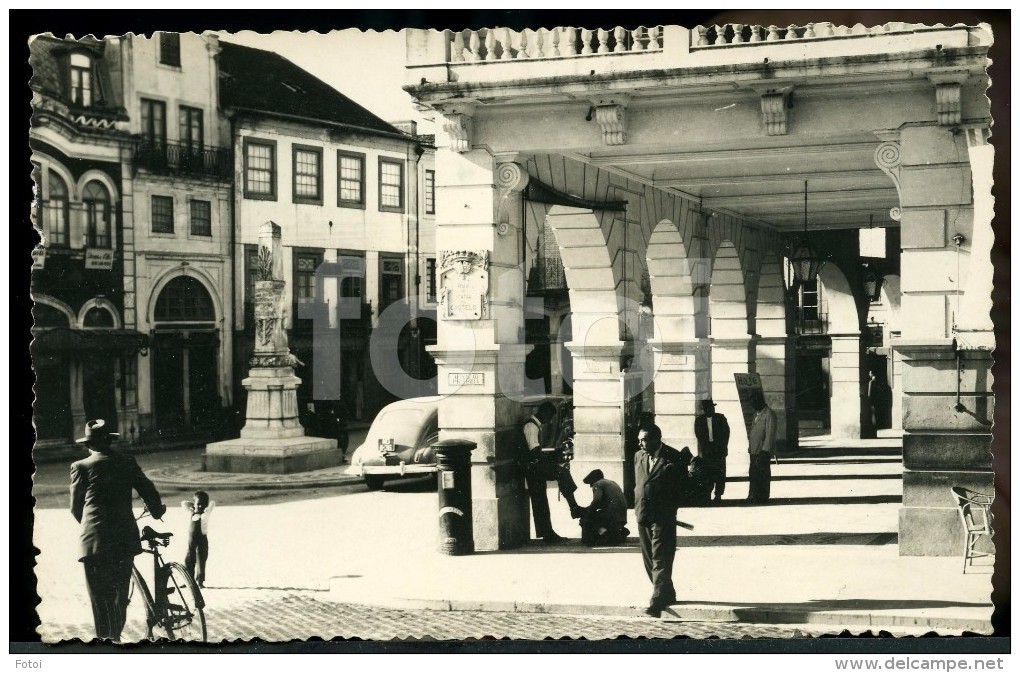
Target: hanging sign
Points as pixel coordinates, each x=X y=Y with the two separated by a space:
x=39 y=258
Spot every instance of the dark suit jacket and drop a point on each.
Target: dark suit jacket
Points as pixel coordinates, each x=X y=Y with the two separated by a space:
x=101 y=496
x=720 y=432
x=657 y=493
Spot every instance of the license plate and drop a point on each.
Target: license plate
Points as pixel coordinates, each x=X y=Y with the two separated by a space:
x=385 y=445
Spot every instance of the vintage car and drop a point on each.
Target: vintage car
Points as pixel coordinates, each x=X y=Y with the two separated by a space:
x=399 y=443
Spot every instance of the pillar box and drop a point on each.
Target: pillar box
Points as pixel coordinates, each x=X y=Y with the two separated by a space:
x=453 y=477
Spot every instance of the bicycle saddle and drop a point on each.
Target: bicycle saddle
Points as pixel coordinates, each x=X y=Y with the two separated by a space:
x=148 y=535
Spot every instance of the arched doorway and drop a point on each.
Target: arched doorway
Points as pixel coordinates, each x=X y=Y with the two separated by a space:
x=99 y=370
x=185 y=358
x=52 y=409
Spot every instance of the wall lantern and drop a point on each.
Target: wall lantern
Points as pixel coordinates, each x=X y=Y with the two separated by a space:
x=805 y=261
x=872 y=281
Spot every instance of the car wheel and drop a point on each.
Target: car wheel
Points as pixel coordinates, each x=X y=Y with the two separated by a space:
x=373 y=482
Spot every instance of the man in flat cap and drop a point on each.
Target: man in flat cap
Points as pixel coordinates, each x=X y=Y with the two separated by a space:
x=604 y=521
x=101 y=499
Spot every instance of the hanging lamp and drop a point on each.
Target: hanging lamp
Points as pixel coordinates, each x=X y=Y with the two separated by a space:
x=805 y=262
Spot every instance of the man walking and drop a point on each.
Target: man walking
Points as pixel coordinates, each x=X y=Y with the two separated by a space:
x=761 y=446
x=713 y=434
x=604 y=521
x=101 y=495
x=659 y=476
x=543 y=466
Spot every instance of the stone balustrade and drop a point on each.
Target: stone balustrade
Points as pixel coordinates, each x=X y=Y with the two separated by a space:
x=504 y=44
x=734 y=34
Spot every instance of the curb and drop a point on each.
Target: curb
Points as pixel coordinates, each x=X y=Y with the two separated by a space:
x=187 y=480
x=690 y=613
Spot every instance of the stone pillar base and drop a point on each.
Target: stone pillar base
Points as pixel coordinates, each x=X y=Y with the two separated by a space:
x=271 y=456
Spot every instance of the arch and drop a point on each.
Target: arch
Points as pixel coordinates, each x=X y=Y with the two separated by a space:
x=100 y=303
x=58 y=305
x=591 y=273
x=48 y=163
x=184 y=299
x=101 y=177
x=169 y=276
x=728 y=297
x=841 y=306
x=677 y=303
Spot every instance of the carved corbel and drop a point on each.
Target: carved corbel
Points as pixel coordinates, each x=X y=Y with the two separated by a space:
x=457 y=124
x=887 y=157
x=774 y=106
x=611 y=115
x=511 y=178
x=948 y=99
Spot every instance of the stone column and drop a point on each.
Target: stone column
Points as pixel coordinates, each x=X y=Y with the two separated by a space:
x=480 y=353
x=683 y=378
x=845 y=371
x=732 y=355
x=947 y=404
x=775 y=361
x=598 y=408
x=555 y=355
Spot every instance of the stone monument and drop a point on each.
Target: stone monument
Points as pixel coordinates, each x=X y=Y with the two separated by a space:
x=272 y=440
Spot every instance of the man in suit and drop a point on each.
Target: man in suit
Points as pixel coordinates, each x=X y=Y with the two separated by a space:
x=761 y=446
x=659 y=479
x=713 y=434
x=604 y=521
x=542 y=467
x=101 y=497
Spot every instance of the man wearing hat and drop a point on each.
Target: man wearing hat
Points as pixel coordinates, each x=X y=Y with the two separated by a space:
x=101 y=499
x=604 y=521
x=713 y=434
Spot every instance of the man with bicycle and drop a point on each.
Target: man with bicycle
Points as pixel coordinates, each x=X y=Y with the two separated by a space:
x=101 y=499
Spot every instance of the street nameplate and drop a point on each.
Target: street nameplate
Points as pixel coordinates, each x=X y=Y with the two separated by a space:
x=467 y=379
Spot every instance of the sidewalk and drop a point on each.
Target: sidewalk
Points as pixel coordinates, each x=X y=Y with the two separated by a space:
x=822 y=553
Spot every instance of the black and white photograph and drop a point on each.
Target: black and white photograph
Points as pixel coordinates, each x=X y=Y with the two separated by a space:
x=558 y=327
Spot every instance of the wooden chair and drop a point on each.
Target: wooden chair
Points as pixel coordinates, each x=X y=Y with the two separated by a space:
x=975 y=512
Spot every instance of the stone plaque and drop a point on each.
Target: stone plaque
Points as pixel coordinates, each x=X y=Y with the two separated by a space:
x=464 y=280
x=467 y=379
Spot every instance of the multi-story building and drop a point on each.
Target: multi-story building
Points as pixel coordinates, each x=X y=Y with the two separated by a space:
x=86 y=345
x=346 y=188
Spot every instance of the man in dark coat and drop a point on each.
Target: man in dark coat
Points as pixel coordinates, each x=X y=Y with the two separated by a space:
x=101 y=498
x=660 y=474
x=604 y=521
x=713 y=434
x=543 y=466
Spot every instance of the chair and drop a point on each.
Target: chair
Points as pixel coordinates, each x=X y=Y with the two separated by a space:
x=975 y=512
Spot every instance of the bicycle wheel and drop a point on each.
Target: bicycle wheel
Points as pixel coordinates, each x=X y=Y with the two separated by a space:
x=141 y=611
x=183 y=619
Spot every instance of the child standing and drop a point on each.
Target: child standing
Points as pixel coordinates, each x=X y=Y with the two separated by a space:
x=198 y=535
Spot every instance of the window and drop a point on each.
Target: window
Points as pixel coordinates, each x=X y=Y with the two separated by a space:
x=350 y=179
x=81 y=79
x=391 y=186
x=192 y=131
x=96 y=203
x=154 y=122
x=260 y=169
x=430 y=279
x=184 y=299
x=162 y=215
x=55 y=210
x=307 y=174
x=201 y=218
x=305 y=265
x=97 y=316
x=170 y=49
x=353 y=282
x=430 y=192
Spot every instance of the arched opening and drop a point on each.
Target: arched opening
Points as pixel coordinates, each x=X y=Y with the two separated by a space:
x=52 y=408
x=56 y=211
x=728 y=320
x=96 y=204
x=98 y=316
x=185 y=358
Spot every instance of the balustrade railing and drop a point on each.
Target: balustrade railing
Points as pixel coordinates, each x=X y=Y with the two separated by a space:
x=733 y=34
x=504 y=44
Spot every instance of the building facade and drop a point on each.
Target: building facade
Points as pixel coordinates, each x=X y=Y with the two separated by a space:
x=698 y=158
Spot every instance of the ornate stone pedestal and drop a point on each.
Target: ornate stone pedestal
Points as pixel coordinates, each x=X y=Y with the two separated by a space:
x=272 y=441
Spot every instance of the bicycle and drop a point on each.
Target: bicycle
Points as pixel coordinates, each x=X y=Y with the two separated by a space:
x=176 y=610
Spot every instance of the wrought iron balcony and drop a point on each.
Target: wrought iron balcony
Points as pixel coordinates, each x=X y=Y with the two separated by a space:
x=179 y=159
x=811 y=321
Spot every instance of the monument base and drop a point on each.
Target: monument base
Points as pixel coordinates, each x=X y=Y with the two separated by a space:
x=282 y=455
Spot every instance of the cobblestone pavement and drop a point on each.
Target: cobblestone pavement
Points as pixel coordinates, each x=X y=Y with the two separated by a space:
x=280 y=616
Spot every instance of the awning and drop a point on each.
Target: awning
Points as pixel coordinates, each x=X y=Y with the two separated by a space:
x=61 y=339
